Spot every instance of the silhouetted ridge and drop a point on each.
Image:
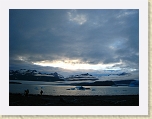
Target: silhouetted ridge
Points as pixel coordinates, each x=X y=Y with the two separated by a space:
x=97 y=83
x=123 y=82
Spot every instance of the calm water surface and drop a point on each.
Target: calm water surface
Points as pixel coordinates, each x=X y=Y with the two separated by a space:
x=55 y=88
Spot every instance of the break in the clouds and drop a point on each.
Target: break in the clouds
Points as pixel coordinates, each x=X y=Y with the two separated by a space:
x=95 y=39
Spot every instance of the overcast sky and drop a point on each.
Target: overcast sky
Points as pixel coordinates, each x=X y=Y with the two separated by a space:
x=74 y=39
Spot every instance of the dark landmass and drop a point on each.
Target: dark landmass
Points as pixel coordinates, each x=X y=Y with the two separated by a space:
x=104 y=83
x=35 y=78
x=49 y=100
x=15 y=83
x=96 y=83
x=121 y=82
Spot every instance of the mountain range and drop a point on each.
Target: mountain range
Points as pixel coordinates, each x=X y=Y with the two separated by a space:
x=34 y=75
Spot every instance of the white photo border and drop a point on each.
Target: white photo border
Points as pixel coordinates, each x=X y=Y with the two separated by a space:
x=142 y=109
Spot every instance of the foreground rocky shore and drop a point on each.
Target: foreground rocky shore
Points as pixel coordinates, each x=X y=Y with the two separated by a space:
x=48 y=100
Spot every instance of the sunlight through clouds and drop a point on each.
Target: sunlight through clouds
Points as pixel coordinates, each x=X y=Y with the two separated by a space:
x=76 y=64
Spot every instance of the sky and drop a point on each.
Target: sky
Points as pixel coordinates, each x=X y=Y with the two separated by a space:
x=80 y=40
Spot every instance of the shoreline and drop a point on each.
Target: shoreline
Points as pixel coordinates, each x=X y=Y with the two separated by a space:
x=17 y=99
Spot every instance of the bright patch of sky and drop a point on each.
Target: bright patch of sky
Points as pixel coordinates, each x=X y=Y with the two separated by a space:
x=74 y=65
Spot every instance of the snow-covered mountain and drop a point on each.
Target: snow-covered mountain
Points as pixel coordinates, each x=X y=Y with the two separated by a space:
x=34 y=75
x=81 y=77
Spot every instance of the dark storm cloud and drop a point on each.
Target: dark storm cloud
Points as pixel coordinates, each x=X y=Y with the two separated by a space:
x=93 y=36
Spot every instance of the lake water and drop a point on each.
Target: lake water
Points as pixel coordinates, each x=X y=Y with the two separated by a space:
x=56 y=88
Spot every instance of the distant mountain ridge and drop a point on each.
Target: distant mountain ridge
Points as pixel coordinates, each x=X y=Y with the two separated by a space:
x=33 y=75
x=82 y=77
x=116 y=74
x=109 y=83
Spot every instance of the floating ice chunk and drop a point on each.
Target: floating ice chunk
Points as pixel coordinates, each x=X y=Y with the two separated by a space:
x=134 y=83
x=80 y=88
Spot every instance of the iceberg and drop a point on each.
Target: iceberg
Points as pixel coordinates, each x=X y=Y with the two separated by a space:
x=134 y=83
x=79 y=88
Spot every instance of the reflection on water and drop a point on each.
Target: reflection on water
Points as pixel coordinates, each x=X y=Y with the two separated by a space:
x=49 y=89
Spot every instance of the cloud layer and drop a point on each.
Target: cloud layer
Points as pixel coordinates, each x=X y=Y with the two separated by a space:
x=88 y=36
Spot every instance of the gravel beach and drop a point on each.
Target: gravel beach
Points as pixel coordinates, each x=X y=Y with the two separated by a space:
x=63 y=100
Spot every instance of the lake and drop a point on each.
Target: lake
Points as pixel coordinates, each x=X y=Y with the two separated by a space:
x=58 y=88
